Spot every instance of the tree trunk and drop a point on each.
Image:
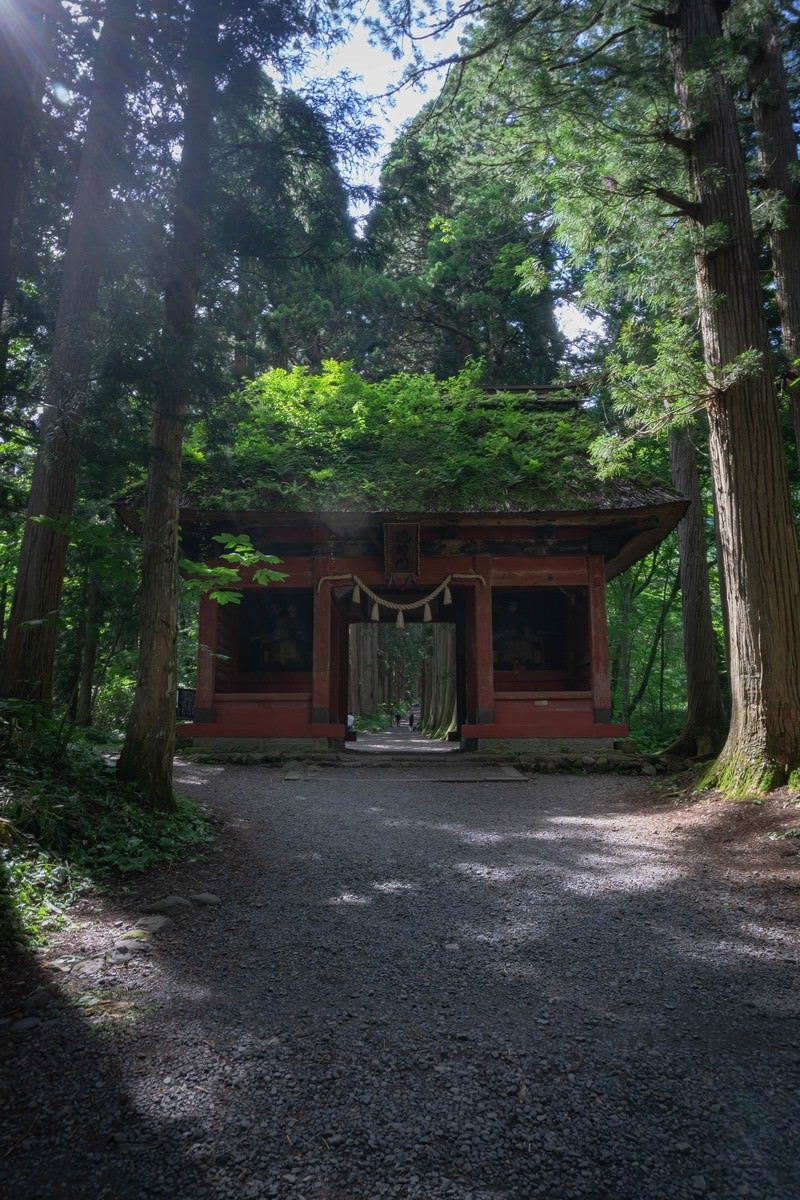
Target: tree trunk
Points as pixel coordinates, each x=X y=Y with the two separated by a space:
x=3 y=602
x=146 y=758
x=777 y=154
x=757 y=534
x=706 y=722
x=363 y=674
x=438 y=683
x=24 y=50
x=83 y=704
x=33 y=625
x=723 y=604
x=369 y=669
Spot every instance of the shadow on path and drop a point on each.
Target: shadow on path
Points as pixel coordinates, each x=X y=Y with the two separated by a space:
x=465 y=992
x=69 y=1127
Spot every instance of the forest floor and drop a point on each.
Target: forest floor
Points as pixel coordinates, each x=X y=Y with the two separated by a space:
x=439 y=981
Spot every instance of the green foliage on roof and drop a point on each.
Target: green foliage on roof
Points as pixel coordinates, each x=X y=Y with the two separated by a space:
x=297 y=441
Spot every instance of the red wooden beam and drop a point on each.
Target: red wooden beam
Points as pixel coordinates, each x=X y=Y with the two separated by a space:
x=556 y=726
x=321 y=685
x=257 y=727
x=207 y=631
x=598 y=627
x=482 y=634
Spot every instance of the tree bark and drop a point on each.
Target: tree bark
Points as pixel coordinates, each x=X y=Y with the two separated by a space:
x=438 y=683
x=780 y=170
x=363 y=665
x=706 y=721
x=3 y=602
x=91 y=636
x=24 y=50
x=757 y=534
x=147 y=755
x=33 y=625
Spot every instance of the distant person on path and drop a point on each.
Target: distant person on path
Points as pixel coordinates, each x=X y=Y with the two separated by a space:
x=411 y=719
x=397 y=719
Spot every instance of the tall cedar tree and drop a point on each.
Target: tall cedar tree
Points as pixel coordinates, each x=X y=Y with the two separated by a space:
x=147 y=754
x=27 y=671
x=282 y=237
x=220 y=36
x=706 y=720
x=25 y=30
x=446 y=239
x=439 y=684
x=780 y=177
x=756 y=526
x=756 y=531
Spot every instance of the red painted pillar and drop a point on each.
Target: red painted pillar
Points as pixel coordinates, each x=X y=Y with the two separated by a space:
x=321 y=682
x=484 y=650
x=339 y=640
x=207 y=633
x=598 y=632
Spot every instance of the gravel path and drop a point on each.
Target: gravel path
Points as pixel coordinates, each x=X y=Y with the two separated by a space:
x=415 y=989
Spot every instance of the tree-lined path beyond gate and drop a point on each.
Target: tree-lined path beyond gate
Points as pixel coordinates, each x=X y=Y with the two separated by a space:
x=428 y=988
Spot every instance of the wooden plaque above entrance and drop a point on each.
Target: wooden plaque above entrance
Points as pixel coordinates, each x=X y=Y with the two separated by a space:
x=401 y=552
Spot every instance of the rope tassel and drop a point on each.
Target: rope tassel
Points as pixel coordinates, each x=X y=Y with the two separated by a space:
x=427 y=615
x=447 y=598
x=356 y=595
x=401 y=624
x=376 y=616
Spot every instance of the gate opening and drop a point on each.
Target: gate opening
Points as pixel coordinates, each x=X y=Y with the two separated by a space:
x=403 y=693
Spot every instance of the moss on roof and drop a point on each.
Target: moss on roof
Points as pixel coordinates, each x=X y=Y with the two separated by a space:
x=297 y=442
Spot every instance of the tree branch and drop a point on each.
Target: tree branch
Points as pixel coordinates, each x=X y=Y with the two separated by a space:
x=584 y=58
x=689 y=208
x=673 y=139
x=459 y=59
x=660 y=17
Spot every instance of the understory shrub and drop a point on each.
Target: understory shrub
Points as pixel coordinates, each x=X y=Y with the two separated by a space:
x=67 y=825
